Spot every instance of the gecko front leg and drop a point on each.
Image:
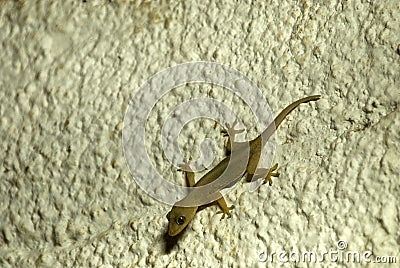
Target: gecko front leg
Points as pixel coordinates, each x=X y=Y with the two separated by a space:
x=225 y=210
x=189 y=174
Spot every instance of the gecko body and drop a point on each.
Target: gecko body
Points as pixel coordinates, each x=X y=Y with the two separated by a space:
x=180 y=214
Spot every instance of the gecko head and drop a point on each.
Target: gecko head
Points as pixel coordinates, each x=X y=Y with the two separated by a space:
x=179 y=218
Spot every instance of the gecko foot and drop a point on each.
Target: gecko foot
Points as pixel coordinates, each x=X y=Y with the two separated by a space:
x=185 y=166
x=271 y=173
x=231 y=131
x=226 y=212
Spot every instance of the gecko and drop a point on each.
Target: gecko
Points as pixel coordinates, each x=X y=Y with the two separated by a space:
x=180 y=216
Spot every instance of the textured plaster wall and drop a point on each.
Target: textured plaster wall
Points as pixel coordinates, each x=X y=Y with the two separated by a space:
x=69 y=68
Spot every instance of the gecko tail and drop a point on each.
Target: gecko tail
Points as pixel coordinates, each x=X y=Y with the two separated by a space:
x=267 y=133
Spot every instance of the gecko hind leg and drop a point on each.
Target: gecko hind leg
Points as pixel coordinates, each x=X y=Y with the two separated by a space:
x=271 y=173
x=229 y=132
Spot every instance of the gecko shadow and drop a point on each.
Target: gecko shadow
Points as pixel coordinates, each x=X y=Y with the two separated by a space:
x=170 y=242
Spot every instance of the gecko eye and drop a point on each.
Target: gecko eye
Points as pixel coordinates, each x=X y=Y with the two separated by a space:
x=180 y=220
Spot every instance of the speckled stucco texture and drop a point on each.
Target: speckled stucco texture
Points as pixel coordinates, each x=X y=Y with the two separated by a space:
x=69 y=68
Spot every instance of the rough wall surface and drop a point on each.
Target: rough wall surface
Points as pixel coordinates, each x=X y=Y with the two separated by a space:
x=69 y=68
